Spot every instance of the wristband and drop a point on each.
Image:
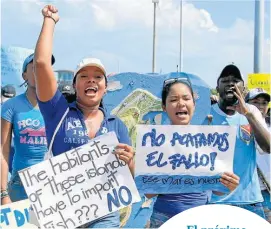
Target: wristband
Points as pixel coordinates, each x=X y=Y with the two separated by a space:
x=4 y=193
x=246 y=112
x=51 y=18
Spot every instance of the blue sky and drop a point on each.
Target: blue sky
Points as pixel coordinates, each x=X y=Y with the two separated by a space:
x=119 y=32
x=231 y=10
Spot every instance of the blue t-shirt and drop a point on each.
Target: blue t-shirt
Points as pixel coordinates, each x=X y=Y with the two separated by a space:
x=29 y=139
x=73 y=132
x=244 y=163
x=173 y=204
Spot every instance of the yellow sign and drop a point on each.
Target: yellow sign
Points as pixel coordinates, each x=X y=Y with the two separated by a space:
x=259 y=81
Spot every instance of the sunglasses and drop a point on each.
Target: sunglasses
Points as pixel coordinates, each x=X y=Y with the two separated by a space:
x=180 y=79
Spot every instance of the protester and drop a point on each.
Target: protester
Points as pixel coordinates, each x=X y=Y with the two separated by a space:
x=67 y=91
x=179 y=104
x=260 y=98
x=21 y=116
x=83 y=119
x=8 y=92
x=214 y=99
x=232 y=110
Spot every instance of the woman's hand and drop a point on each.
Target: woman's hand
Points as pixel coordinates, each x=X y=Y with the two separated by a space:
x=51 y=12
x=126 y=153
x=230 y=180
x=5 y=200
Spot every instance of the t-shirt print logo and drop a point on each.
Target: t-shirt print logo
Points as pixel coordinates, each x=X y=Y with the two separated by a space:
x=245 y=133
x=104 y=130
x=31 y=132
x=34 y=132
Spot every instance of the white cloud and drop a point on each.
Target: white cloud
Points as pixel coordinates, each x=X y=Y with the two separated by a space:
x=206 y=21
x=120 y=33
x=206 y=53
x=104 y=18
x=116 y=13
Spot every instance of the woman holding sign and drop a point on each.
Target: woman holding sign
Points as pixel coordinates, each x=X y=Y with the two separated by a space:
x=179 y=104
x=71 y=125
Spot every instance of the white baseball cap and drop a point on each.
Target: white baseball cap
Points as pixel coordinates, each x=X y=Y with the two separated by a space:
x=90 y=62
x=255 y=92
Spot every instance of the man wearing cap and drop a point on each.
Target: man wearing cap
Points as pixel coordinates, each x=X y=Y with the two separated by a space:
x=232 y=110
x=67 y=91
x=260 y=99
x=7 y=92
x=21 y=116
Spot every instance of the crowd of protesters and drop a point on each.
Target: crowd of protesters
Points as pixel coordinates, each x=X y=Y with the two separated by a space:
x=29 y=133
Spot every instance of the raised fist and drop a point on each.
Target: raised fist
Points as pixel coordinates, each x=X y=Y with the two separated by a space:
x=50 y=11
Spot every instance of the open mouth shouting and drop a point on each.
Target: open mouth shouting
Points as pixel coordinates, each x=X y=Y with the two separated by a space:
x=230 y=93
x=91 y=91
x=182 y=114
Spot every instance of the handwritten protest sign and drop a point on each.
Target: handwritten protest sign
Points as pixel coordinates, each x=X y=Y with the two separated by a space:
x=15 y=215
x=180 y=159
x=80 y=185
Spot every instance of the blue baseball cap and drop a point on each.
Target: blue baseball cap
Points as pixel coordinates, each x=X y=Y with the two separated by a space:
x=30 y=58
x=256 y=92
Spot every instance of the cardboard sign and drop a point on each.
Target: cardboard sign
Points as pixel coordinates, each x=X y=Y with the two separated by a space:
x=183 y=159
x=80 y=185
x=16 y=215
